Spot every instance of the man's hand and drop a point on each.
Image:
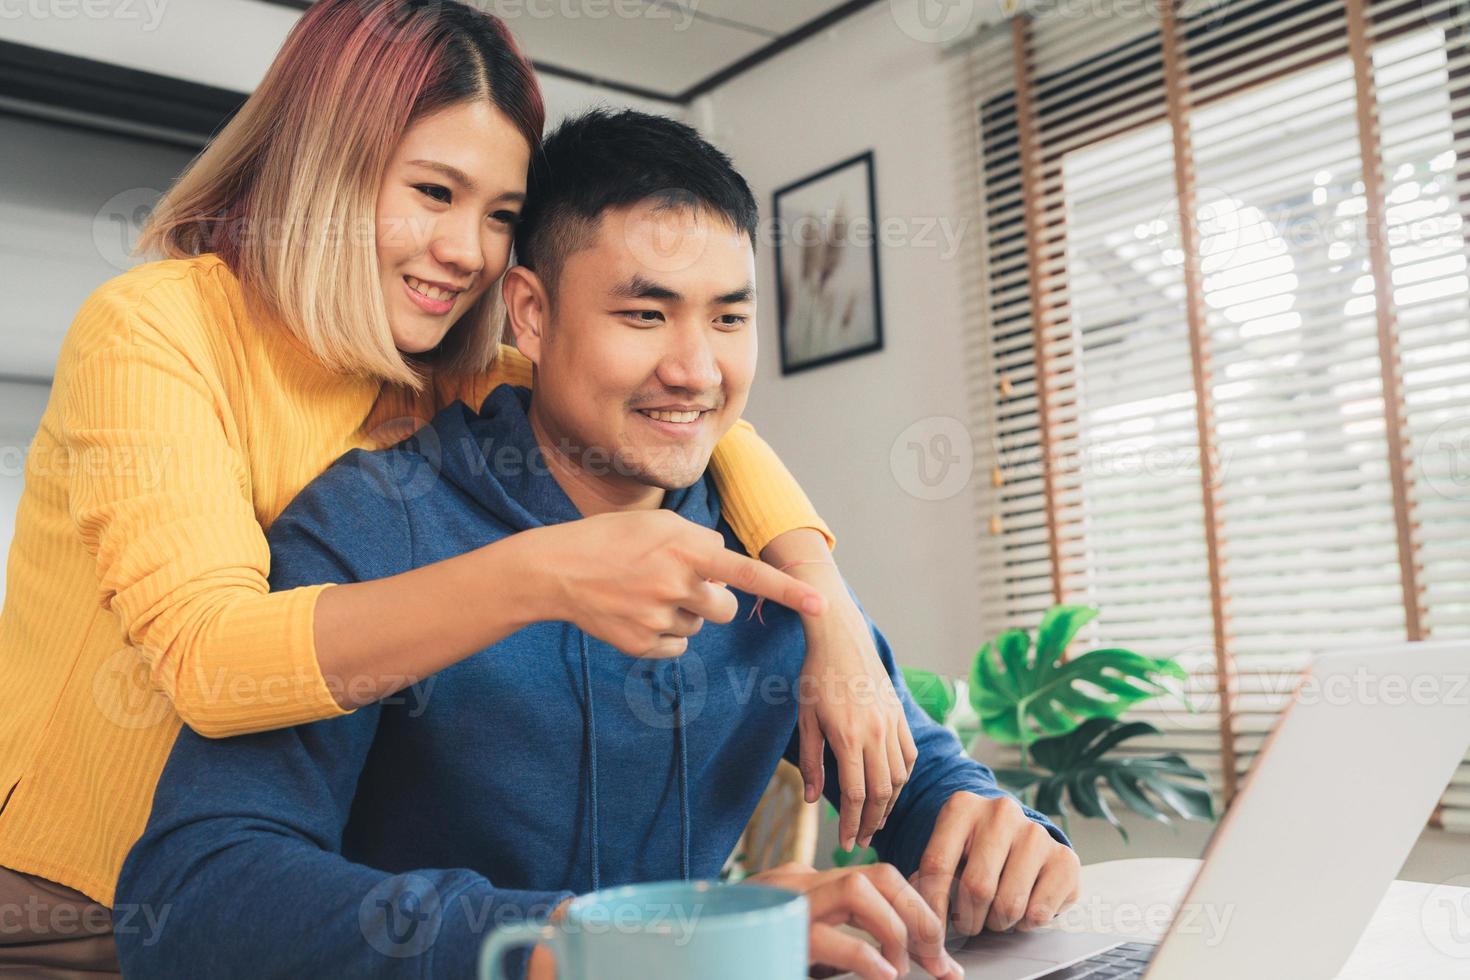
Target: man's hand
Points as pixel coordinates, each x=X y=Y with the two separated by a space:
x=876 y=899
x=542 y=964
x=1010 y=871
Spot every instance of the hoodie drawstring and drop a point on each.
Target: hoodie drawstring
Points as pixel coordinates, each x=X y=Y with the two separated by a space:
x=683 y=771
x=589 y=741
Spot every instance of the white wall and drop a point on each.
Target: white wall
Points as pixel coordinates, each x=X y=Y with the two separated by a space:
x=866 y=84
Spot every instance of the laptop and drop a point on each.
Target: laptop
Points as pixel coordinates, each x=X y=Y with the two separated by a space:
x=1346 y=780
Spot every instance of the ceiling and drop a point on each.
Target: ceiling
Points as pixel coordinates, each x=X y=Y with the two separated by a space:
x=663 y=49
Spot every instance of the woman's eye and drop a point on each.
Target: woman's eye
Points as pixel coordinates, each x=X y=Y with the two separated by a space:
x=507 y=217
x=432 y=191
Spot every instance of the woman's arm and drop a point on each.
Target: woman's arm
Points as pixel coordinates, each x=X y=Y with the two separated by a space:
x=631 y=579
x=852 y=703
x=159 y=493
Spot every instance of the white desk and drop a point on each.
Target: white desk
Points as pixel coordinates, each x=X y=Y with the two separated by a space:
x=1420 y=931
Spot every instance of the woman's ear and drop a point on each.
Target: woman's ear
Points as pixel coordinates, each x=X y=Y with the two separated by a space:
x=527 y=308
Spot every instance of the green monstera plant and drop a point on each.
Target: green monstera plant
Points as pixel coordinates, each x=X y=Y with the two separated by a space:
x=1064 y=717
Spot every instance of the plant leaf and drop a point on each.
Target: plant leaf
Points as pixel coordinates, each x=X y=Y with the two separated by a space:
x=931 y=692
x=1066 y=751
x=859 y=855
x=1132 y=798
x=1049 y=796
x=1190 y=802
x=1112 y=734
x=1017 y=779
x=995 y=673
x=1037 y=700
x=1057 y=628
x=1075 y=762
x=1083 y=794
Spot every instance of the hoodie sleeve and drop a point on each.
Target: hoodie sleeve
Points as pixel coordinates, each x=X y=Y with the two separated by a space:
x=941 y=770
x=242 y=855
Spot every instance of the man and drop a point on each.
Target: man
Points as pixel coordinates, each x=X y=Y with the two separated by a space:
x=550 y=764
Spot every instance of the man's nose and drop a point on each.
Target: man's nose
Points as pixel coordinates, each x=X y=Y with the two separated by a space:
x=690 y=361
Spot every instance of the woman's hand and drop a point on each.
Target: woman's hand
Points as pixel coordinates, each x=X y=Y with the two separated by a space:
x=847 y=698
x=876 y=899
x=646 y=581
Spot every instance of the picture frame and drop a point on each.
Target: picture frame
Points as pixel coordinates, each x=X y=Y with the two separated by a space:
x=828 y=285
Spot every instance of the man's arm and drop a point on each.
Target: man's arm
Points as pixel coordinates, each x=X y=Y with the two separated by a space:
x=241 y=864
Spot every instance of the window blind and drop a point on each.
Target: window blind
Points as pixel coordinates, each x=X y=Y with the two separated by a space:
x=1227 y=341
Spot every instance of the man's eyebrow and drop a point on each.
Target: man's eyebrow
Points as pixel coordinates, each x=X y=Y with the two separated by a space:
x=637 y=286
x=744 y=294
x=463 y=179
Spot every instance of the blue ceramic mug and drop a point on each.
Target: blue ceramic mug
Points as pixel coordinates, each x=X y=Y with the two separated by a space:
x=673 y=929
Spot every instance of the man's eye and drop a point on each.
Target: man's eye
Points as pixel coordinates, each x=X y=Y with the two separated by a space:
x=644 y=316
x=432 y=191
x=733 y=320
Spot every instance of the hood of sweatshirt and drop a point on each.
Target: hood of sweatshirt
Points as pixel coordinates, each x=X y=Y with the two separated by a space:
x=493 y=458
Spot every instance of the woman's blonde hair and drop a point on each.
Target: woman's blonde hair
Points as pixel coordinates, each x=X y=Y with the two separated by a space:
x=286 y=194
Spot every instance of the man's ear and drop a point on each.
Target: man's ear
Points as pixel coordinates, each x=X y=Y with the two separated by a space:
x=528 y=308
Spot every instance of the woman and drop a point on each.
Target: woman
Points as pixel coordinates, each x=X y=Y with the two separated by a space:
x=332 y=280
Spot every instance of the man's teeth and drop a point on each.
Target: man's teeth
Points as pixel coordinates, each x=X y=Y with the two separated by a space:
x=674 y=416
x=433 y=292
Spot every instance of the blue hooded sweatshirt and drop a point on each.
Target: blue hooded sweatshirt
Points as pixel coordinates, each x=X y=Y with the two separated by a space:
x=390 y=841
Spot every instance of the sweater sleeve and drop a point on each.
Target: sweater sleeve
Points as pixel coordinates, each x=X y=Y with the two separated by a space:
x=941 y=770
x=760 y=497
x=239 y=872
x=160 y=496
x=243 y=851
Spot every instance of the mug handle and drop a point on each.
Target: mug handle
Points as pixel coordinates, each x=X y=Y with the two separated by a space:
x=510 y=936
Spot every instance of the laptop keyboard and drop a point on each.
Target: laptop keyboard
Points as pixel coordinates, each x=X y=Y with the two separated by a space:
x=1125 y=962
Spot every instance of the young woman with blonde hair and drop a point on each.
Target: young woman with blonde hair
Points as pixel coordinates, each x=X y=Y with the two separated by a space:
x=330 y=281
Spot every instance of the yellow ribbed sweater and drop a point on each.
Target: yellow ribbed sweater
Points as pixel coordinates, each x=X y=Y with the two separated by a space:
x=176 y=431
